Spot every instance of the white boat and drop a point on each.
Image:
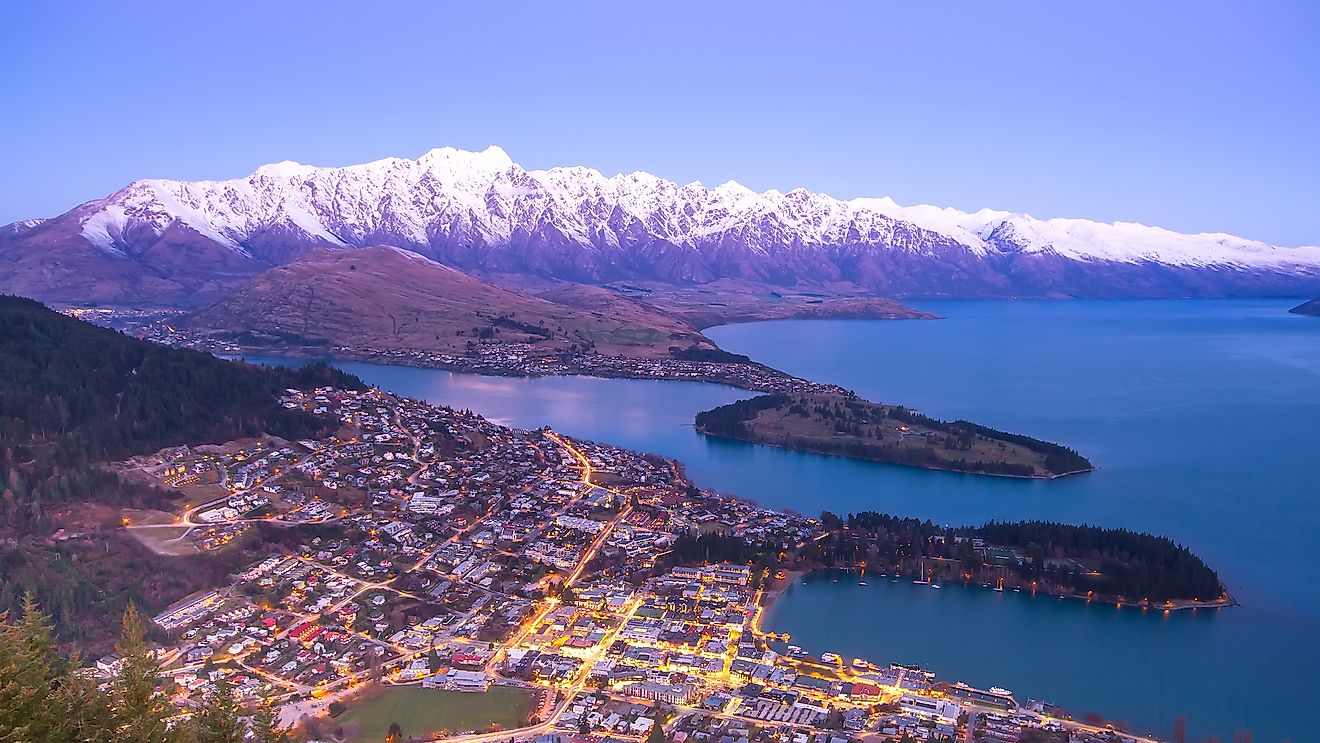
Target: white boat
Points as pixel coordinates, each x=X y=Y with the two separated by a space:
x=861 y=583
x=936 y=586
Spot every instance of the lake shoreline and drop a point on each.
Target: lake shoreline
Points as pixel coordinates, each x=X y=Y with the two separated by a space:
x=806 y=450
x=1227 y=601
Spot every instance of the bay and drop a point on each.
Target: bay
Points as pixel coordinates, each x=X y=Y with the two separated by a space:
x=1204 y=417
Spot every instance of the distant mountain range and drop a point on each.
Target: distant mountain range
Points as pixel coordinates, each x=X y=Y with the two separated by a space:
x=191 y=242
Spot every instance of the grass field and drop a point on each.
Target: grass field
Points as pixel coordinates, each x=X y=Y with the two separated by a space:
x=421 y=711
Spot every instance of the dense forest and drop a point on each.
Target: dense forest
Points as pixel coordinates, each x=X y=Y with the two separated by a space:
x=730 y=420
x=1063 y=558
x=72 y=395
x=711 y=355
x=1060 y=558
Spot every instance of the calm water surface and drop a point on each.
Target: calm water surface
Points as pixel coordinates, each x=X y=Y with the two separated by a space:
x=1203 y=415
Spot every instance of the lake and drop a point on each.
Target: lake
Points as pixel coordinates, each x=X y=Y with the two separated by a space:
x=1204 y=417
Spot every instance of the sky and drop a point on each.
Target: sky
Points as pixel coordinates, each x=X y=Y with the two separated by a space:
x=1196 y=116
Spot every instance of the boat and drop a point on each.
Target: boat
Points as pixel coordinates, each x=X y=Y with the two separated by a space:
x=920 y=582
x=861 y=583
x=936 y=586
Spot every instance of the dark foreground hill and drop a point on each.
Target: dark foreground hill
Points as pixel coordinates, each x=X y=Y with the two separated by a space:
x=73 y=395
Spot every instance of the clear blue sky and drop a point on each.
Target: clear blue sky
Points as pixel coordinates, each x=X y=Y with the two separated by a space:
x=1192 y=115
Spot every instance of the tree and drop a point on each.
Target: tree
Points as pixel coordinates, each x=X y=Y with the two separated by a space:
x=218 y=719
x=266 y=728
x=395 y=734
x=657 y=734
x=138 y=709
x=29 y=668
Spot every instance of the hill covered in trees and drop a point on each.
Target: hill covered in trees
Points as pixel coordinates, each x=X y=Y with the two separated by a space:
x=73 y=395
x=846 y=425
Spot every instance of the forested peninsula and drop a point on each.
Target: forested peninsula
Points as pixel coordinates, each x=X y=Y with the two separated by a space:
x=843 y=424
x=1101 y=564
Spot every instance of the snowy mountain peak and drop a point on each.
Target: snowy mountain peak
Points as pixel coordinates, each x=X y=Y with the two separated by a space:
x=284 y=169
x=490 y=160
x=482 y=213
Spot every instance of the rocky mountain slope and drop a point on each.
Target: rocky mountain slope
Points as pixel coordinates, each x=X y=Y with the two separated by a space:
x=175 y=241
x=388 y=298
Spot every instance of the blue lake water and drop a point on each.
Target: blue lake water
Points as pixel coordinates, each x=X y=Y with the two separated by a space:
x=1204 y=417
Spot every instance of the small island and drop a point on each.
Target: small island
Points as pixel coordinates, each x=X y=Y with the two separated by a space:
x=843 y=424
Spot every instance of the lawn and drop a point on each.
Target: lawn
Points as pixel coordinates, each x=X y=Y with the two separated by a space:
x=420 y=711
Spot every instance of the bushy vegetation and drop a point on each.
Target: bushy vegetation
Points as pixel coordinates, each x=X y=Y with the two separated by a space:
x=729 y=420
x=710 y=355
x=43 y=699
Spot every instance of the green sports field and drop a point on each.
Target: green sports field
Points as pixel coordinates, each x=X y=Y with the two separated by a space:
x=421 y=711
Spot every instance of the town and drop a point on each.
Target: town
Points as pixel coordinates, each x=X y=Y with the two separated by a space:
x=502 y=358
x=424 y=550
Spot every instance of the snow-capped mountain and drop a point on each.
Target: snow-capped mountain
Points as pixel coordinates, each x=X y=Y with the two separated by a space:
x=173 y=241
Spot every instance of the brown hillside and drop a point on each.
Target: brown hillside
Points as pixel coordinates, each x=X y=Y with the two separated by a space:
x=386 y=297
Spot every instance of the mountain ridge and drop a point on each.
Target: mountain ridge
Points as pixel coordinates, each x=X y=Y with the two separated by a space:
x=189 y=242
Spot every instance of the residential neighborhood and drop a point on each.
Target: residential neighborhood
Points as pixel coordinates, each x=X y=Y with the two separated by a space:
x=425 y=547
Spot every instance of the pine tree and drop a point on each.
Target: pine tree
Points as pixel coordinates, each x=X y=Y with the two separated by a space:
x=85 y=709
x=30 y=669
x=266 y=727
x=218 y=720
x=140 y=711
x=657 y=734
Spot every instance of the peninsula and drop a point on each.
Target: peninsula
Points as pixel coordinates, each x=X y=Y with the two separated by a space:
x=842 y=424
x=342 y=550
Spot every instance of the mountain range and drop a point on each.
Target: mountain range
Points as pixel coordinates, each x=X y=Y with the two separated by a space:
x=189 y=243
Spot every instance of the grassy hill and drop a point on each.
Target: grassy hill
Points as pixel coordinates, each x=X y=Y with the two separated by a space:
x=849 y=426
x=386 y=298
